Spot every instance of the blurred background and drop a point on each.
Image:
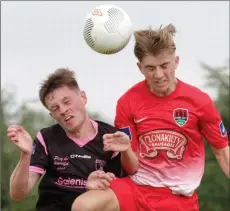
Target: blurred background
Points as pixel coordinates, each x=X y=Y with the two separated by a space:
x=39 y=37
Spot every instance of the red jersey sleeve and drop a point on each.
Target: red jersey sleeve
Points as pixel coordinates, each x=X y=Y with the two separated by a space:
x=124 y=122
x=212 y=126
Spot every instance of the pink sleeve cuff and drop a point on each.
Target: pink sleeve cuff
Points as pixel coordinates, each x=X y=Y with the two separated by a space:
x=36 y=169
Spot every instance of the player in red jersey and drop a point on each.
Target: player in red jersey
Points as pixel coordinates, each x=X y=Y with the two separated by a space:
x=166 y=120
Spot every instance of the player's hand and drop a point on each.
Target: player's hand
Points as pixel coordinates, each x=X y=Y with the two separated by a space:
x=99 y=180
x=20 y=138
x=117 y=142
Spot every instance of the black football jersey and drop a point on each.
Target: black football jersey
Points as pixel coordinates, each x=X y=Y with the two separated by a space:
x=66 y=165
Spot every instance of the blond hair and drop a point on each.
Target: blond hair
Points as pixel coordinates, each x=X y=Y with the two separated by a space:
x=154 y=42
x=61 y=77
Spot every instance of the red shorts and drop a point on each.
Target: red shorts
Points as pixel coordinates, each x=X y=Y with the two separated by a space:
x=133 y=197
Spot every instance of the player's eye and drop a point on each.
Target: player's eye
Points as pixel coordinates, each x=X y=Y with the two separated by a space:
x=164 y=66
x=67 y=102
x=150 y=69
x=55 y=108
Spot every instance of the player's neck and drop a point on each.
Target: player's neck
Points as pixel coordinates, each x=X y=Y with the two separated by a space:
x=87 y=130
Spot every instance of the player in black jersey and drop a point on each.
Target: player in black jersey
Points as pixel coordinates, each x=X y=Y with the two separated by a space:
x=65 y=154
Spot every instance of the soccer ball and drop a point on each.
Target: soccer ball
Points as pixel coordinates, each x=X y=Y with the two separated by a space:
x=107 y=29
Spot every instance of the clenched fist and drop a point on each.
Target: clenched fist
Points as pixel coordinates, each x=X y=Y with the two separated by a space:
x=20 y=138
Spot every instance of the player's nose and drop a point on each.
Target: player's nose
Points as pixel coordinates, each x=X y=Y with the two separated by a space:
x=63 y=110
x=158 y=73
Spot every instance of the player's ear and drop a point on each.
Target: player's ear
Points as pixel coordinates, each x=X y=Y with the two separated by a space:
x=177 y=59
x=140 y=67
x=83 y=97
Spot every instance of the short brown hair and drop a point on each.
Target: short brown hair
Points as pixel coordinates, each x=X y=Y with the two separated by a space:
x=154 y=41
x=61 y=77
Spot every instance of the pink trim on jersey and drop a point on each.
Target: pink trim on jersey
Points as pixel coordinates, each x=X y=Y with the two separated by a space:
x=40 y=138
x=36 y=169
x=114 y=155
x=82 y=142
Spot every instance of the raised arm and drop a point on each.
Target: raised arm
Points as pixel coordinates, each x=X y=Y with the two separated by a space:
x=31 y=164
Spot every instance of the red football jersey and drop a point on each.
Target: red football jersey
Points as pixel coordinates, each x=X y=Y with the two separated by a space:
x=168 y=134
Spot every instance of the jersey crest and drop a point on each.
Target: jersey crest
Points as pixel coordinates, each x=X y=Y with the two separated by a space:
x=180 y=116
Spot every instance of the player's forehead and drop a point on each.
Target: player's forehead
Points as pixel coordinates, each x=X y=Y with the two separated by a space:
x=156 y=60
x=61 y=93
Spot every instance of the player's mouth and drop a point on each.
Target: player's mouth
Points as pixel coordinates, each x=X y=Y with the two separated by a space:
x=68 y=118
x=160 y=83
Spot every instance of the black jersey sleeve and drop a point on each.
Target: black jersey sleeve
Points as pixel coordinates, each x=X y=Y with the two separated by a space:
x=39 y=158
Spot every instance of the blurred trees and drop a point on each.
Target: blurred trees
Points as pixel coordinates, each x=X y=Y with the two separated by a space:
x=32 y=121
x=218 y=78
x=213 y=192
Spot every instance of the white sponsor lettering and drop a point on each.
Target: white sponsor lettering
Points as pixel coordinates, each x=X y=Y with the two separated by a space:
x=80 y=156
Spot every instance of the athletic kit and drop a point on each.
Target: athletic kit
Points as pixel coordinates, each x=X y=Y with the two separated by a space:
x=66 y=163
x=167 y=133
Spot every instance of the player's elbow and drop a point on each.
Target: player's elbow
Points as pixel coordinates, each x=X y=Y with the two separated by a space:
x=131 y=168
x=135 y=168
x=129 y=161
x=132 y=172
x=17 y=196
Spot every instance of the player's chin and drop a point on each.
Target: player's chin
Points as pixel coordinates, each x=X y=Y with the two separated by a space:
x=69 y=128
x=161 y=89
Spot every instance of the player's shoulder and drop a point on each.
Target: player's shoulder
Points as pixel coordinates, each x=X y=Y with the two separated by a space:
x=194 y=92
x=54 y=129
x=132 y=92
x=106 y=126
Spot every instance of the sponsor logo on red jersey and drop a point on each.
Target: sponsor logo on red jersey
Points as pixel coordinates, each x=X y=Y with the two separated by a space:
x=172 y=143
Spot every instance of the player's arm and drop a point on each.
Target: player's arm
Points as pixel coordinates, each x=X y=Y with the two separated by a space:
x=222 y=156
x=129 y=161
x=124 y=122
x=29 y=170
x=22 y=181
x=213 y=130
